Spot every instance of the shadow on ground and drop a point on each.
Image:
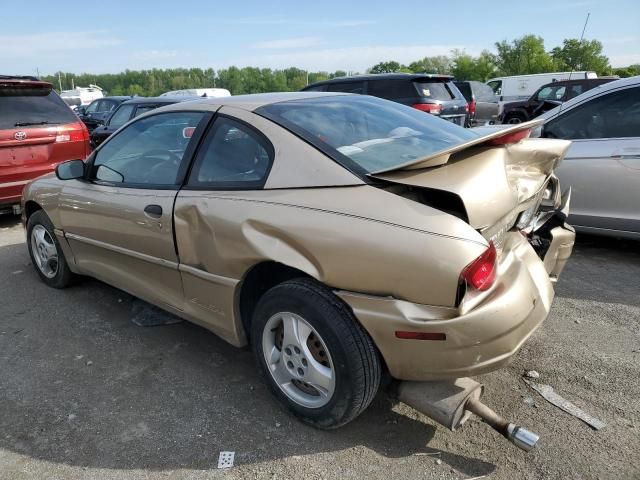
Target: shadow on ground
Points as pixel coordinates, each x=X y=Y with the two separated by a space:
x=82 y=385
x=593 y=261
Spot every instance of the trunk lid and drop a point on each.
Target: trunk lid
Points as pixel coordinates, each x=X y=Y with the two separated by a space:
x=495 y=183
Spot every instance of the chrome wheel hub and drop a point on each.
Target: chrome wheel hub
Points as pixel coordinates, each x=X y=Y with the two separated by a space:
x=44 y=251
x=298 y=360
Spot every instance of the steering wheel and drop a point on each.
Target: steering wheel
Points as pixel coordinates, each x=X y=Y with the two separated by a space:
x=163 y=159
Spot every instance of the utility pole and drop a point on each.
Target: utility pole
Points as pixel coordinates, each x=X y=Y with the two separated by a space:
x=59 y=81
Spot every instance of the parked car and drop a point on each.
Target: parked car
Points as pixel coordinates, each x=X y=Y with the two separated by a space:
x=435 y=94
x=602 y=166
x=483 y=103
x=37 y=131
x=97 y=111
x=547 y=97
x=341 y=235
x=521 y=87
x=126 y=111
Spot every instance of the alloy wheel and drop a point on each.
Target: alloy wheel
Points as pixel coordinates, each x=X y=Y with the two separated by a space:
x=298 y=360
x=44 y=251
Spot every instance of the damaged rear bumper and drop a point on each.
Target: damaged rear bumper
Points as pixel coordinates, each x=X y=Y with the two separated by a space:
x=485 y=331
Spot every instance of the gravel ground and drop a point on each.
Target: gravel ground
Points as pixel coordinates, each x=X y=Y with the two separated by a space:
x=87 y=394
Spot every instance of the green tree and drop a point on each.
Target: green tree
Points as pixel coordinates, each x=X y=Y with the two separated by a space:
x=581 y=55
x=523 y=56
x=439 y=64
x=630 y=71
x=386 y=67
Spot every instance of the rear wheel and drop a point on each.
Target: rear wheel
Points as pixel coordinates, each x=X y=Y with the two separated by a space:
x=317 y=359
x=45 y=252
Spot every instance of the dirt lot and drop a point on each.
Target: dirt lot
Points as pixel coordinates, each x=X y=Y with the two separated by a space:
x=86 y=394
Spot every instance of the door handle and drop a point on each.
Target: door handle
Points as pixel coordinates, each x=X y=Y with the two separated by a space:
x=154 y=211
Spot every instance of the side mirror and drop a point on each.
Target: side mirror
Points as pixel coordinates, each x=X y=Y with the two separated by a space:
x=70 y=170
x=81 y=110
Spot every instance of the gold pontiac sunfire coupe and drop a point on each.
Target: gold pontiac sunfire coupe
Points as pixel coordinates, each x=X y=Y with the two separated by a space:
x=343 y=236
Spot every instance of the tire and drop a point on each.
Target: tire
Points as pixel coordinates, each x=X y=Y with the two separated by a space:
x=45 y=252
x=329 y=336
x=514 y=119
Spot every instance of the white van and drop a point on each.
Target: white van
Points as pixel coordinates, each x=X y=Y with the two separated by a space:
x=198 y=92
x=81 y=95
x=521 y=87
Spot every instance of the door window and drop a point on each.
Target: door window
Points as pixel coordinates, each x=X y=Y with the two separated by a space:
x=121 y=116
x=233 y=155
x=575 y=90
x=615 y=115
x=147 y=152
x=496 y=86
x=551 y=93
x=92 y=107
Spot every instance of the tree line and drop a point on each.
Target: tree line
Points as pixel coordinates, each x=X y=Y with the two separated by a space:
x=524 y=55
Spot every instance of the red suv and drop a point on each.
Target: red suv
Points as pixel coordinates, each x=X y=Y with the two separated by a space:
x=37 y=132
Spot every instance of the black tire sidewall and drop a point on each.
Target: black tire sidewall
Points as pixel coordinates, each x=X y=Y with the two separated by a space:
x=63 y=275
x=319 y=313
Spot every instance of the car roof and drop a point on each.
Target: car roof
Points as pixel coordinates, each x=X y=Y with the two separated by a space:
x=383 y=76
x=156 y=100
x=248 y=102
x=115 y=97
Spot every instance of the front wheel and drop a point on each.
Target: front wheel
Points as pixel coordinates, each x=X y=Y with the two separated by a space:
x=317 y=359
x=45 y=252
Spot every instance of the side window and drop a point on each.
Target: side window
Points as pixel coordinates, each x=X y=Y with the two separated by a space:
x=121 y=116
x=144 y=109
x=614 y=115
x=92 y=107
x=232 y=155
x=346 y=87
x=103 y=106
x=575 y=90
x=147 y=152
x=484 y=93
x=496 y=86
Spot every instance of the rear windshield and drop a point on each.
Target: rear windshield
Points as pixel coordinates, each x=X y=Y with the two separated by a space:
x=435 y=90
x=366 y=134
x=32 y=107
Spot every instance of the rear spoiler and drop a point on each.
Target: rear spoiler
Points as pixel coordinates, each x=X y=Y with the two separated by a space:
x=503 y=136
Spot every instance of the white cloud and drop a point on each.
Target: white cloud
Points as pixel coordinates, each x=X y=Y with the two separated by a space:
x=46 y=43
x=154 y=54
x=624 y=60
x=281 y=20
x=287 y=43
x=349 y=58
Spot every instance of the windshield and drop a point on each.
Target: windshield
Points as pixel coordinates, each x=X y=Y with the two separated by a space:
x=364 y=133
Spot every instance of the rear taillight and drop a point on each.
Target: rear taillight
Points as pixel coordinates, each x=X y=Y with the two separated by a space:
x=431 y=108
x=472 y=107
x=509 y=138
x=481 y=273
x=74 y=132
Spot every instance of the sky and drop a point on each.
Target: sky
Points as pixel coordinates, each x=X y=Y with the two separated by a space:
x=101 y=37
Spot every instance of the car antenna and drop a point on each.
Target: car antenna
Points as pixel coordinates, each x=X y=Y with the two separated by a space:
x=573 y=67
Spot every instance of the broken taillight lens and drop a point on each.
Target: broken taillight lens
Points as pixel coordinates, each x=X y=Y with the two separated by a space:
x=481 y=273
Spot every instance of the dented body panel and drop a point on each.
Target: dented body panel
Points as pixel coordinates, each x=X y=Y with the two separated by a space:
x=393 y=257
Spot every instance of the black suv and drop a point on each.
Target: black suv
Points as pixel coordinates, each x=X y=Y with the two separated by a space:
x=435 y=94
x=547 y=97
x=97 y=111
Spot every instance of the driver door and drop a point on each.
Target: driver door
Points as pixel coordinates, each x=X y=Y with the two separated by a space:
x=118 y=220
